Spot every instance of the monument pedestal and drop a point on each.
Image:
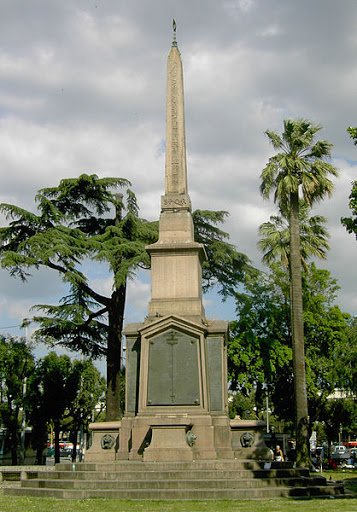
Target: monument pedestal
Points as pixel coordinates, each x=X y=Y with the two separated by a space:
x=248 y=441
x=168 y=442
x=105 y=441
x=176 y=391
x=175 y=437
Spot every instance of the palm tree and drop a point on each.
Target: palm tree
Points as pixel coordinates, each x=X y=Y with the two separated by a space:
x=275 y=238
x=298 y=169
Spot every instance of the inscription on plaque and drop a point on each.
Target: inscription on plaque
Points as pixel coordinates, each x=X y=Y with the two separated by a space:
x=173 y=372
x=214 y=363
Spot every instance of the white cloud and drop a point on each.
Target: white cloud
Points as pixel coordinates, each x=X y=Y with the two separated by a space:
x=83 y=90
x=33 y=156
x=137 y=300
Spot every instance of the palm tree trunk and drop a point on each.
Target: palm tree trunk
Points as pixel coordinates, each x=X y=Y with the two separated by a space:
x=302 y=440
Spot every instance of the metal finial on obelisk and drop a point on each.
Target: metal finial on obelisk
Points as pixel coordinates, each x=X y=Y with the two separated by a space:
x=174 y=42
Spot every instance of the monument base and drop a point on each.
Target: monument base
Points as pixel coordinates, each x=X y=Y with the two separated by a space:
x=168 y=443
x=248 y=441
x=175 y=437
x=105 y=441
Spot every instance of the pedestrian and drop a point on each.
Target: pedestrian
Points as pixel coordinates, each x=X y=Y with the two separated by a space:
x=278 y=454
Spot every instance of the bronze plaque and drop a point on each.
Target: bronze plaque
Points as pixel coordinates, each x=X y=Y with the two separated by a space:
x=173 y=373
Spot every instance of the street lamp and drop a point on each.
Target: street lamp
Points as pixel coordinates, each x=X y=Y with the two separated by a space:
x=266 y=388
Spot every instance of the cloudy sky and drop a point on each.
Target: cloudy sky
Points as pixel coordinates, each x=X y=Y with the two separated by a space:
x=82 y=89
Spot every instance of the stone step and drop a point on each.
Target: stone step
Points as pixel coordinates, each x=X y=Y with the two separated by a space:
x=179 y=494
x=178 y=481
x=147 y=466
x=166 y=484
x=154 y=474
x=152 y=494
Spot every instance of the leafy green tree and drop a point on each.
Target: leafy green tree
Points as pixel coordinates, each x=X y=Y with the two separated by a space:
x=81 y=218
x=225 y=267
x=339 y=416
x=58 y=391
x=243 y=406
x=350 y=223
x=16 y=365
x=85 y=218
x=326 y=330
x=298 y=167
x=37 y=415
x=90 y=386
x=259 y=349
x=258 y=338
x=61 y=393
x=345 y=367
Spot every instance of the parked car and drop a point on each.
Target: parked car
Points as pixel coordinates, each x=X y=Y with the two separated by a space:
x=340 y=452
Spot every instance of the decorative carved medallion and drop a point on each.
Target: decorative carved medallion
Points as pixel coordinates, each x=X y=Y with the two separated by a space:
x=107 y=442
x=191 y=438
x=247 y=439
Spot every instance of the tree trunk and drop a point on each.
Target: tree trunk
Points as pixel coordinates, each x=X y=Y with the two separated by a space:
x=73 y=439
x=40 y=456
x=114 y=354
x=57 y=446
x=14 y=442
x=297 y=322
x=39 y=441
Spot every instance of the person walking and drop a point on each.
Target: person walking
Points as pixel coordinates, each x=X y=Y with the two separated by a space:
x=278 y=454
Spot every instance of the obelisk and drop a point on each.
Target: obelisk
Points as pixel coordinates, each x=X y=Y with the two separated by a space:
x=176 y=373
x=176 y=274
x=175 y=164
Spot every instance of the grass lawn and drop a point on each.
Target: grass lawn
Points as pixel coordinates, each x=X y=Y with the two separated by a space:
x=13 y=504
x=28 y=504
x=349 y=477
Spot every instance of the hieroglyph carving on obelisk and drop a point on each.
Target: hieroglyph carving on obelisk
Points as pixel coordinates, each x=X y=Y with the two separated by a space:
x=176 y=195
x=176 y=273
